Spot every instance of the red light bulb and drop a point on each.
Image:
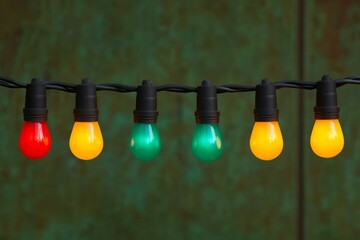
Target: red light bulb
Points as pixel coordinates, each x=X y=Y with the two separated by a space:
x=35 y=140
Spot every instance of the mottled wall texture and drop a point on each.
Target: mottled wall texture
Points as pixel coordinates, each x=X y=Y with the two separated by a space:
x=175 y=196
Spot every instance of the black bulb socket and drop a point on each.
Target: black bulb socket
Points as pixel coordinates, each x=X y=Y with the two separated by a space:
x=326 y=99
x=35 y=102
x=146 y=103
x=86 y=102
x=265 y=102
x=207 y=109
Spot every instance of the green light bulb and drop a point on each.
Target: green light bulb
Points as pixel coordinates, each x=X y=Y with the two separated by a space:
x=145 y=141
x=207 y=142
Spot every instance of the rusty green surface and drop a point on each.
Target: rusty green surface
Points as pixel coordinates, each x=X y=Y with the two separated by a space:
x=174 y=196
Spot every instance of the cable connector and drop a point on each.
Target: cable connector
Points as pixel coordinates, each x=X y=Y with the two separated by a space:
x=326 y=99
x=35 y=102
x=86 y=102
x=207 y=109
x=265 y=102
x=146 y=103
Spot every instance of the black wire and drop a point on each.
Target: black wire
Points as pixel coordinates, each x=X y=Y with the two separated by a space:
x=295 y=84
x=227 y=88
x=66 y=87
x=235 y=88
x=342 y=82
x=175 y=88
x=116 y=87
x=10 y=83
x=353 y=77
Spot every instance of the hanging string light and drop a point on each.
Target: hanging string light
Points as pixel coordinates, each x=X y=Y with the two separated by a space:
x=86 y=141
x=207 y=143
x=266 y=141
x=35 y=140
x=145 y=143
x=327 y=139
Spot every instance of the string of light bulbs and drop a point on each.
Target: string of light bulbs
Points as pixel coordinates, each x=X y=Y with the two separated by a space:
x=266 y=141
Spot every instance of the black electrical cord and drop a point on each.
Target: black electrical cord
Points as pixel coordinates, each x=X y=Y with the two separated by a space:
x=10 y=83
x=115 y=87
x=180 y=88
x=66 y=87
x=176 y=88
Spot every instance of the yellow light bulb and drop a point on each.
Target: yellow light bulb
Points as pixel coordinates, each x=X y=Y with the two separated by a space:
x=327 y=139
x=86 y=141
x=266 y=141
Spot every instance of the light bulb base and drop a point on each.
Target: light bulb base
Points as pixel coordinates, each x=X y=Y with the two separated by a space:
x=326 y=99
x=207 y=109
x=146 y=103
x=35 y=102
x=265 y=102
x=86 y=102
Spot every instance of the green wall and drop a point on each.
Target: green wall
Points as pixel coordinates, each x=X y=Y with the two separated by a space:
x=176 y=196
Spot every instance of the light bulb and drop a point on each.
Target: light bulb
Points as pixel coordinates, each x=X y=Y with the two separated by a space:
x=86 y=141
x=327 y=139
x=266 y=141
x=35 y=140
x=207 y=143
x=145 y=141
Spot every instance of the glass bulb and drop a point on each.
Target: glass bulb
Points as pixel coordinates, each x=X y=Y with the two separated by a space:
x=35 y=140
x=327 y=139
x=266 y=141
x=207 y=142
x=145 y=141
x=86 y=141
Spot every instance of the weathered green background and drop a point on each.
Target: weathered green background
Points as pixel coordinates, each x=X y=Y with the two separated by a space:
x=176 y=196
